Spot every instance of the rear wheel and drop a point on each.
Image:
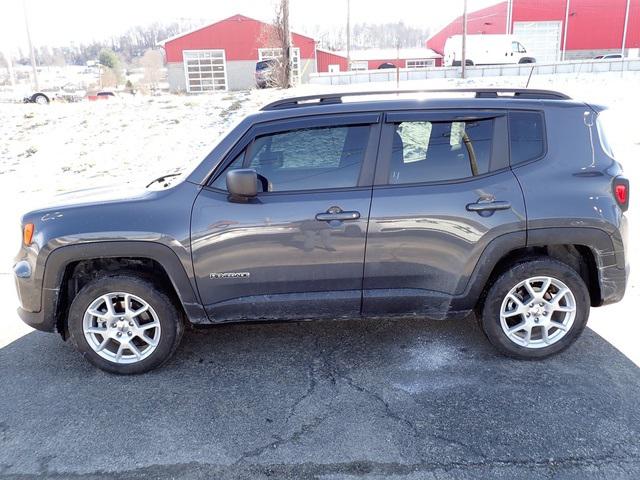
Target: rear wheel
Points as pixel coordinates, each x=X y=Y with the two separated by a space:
x=535 y=309
x=124 y=324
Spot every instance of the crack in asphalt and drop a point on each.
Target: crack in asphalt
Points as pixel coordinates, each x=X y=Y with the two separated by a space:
x=305 y=427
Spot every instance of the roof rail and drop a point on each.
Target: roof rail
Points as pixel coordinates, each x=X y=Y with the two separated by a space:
x=330 y=98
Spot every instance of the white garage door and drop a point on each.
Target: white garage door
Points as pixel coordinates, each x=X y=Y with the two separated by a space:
x=541 y=39
x=205 y=70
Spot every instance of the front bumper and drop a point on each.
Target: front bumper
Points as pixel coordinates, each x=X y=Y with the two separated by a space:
x=31 y=310
x=36 y=320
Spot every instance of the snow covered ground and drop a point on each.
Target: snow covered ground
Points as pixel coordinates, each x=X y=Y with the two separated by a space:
x=49 y=149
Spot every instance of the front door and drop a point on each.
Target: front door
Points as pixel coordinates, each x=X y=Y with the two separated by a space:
x=443 y=191
x=297 y=249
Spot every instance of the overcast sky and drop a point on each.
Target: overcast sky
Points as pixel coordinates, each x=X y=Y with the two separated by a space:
x=60 y=22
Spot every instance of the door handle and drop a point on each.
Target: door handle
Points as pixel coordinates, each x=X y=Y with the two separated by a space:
x=336 y=213
x=488 y=206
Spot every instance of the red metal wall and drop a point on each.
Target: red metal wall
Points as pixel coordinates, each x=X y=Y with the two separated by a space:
x=239 y=36
x=488 y=20
x=374 y=64
x=593 y=24
x=325 y=59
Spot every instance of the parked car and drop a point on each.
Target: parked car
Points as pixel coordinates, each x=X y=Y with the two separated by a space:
x=610 y=56
x=386 y=65
x=265 y=73
x=509 y=204
x=486 y=50
x=102 y=95
x=68 y=93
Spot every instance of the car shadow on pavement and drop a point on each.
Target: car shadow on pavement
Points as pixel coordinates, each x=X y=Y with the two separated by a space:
x=326 y=399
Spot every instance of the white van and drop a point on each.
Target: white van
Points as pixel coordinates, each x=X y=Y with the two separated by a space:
x=486 y=50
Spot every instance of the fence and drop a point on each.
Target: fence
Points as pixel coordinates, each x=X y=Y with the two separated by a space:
x=390 y=75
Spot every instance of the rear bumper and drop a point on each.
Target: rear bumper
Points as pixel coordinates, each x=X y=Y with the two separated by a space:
x=613 y=283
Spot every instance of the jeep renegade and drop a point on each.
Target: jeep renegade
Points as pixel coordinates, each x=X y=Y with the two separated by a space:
x=505 y=203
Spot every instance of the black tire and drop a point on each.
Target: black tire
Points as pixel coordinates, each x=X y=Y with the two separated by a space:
x=170 y=319
x=40 y=99
x=539 y=266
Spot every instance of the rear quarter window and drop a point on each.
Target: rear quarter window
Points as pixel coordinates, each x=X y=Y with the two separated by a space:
x=526 y=136
x=605 y=124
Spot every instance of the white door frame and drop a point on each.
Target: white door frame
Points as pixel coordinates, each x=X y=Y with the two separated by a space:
x=295 y=54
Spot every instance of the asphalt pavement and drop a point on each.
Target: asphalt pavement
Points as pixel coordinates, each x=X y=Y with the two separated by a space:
x=401 y=399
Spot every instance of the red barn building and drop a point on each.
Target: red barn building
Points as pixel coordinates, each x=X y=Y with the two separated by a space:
x=372 y=58
x=223 y=55
x=595 y=27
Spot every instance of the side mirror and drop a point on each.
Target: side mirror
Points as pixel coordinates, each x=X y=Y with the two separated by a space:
x=242 y=183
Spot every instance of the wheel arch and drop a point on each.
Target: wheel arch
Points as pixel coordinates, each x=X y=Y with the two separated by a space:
x=589 y=251
x=68 y=268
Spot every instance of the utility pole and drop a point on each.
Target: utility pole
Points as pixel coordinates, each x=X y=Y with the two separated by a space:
x=286 y=47
x=624 y=32
x=398 y=65
x=566 y=30
x=509 y=17
x=348 y=35
x=464 y=40
x=31 y=51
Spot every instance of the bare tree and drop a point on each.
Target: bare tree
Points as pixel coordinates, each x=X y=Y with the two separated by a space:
x=108 y=78
x=278 y=37
x=152 y=61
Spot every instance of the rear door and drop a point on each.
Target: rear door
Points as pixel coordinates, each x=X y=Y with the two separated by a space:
x=443 y=190
x=297 y=249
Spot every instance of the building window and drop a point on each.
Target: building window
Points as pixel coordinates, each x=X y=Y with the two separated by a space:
x=358 y=65
x=276 y=53
x=421 y=63
x=205 y=70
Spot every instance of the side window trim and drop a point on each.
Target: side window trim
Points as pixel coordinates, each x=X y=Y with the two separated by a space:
x=545 y=145
x=373 y=120
x=499 y=158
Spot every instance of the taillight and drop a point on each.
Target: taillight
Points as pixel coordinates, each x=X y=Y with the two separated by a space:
x=621 y=192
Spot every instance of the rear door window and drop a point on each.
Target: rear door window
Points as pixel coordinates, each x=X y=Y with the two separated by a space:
x=425 y=151
x=526 y=136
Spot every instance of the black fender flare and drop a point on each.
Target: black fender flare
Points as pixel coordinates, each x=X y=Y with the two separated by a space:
x=608 y=253
x=60 y=258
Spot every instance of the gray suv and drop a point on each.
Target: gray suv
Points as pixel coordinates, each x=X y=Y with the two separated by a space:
x=504 y=203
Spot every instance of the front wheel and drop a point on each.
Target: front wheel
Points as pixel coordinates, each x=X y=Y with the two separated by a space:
x=124 y=324
x=535 y=309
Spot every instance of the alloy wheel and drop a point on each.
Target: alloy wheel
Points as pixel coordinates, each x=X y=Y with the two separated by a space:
x=121 y=327
x=538 y=312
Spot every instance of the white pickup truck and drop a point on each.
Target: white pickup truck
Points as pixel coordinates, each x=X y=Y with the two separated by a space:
x=486 y=50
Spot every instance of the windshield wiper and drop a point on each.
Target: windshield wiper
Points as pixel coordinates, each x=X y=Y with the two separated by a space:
x=163 y=178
